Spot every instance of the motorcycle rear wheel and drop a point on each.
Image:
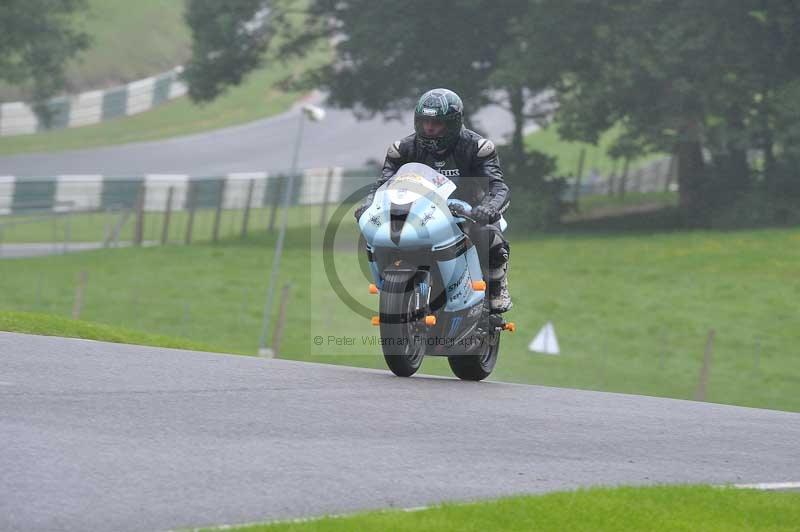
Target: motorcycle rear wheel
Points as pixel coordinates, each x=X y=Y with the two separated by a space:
x=403 y=339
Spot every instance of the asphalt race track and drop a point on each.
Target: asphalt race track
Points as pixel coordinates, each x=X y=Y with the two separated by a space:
x=103 y=436
x=263 y=145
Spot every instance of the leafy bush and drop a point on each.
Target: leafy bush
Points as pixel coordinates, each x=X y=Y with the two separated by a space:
x=535 y=195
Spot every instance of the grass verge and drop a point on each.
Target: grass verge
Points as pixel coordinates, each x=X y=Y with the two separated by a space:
x=673 y=508
x=93 y=227
x=49 y=325
x=632 y=313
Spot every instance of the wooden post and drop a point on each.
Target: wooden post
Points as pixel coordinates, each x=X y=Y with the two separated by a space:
x=623 y=182
x=191 y=200
x=80 y=290
x=167 y=216
x=218 y=214
x=705 y=371
x=277 y=336
x=138 y=234
x=326 y=198
x=276 y=201
x=246 y=217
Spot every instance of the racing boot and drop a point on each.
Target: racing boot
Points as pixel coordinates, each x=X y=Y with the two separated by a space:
x=499 y=298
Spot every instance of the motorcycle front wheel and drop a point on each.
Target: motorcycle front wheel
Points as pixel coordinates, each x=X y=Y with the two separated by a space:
x=402 y=334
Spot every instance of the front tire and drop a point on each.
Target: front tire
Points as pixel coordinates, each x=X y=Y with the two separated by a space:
x=477 y=366
x=401 y=333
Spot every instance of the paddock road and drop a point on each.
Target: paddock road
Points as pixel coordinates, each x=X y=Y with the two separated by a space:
x=100 y=436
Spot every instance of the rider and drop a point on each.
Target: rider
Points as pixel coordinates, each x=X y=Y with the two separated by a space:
x=441 y=141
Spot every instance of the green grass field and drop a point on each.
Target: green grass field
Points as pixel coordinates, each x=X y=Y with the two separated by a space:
x=632 y=313
x=667 y=508
x=568 y=153
x=604 y=206
x=130 y=40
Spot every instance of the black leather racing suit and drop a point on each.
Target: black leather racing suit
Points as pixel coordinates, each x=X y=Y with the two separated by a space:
x=473 y=165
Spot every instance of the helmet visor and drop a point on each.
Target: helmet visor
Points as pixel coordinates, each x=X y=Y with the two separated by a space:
x=433 y=127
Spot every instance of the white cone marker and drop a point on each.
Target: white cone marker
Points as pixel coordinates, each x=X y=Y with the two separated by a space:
x=545 y=341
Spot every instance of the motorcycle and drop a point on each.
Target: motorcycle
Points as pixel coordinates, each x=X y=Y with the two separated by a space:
x=428 y=277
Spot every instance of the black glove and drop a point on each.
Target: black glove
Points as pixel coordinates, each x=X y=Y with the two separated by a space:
x=485 y=214
x=456 y=209
x=360 y=210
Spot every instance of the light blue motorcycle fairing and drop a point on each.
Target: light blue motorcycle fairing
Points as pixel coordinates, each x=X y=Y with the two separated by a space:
x=429 y=225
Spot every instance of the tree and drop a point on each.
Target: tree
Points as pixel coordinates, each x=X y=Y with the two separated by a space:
x=679 y=75
x=384 y=58
x=228 y=41
x=37 y=38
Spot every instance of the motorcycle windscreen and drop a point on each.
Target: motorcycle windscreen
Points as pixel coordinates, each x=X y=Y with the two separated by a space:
x=414 y=181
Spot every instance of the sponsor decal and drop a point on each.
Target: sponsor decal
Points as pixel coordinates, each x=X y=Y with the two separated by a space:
x=416 y=178
x=427 y=218
x=452 y=286
x=429 y=112
x=439 y=180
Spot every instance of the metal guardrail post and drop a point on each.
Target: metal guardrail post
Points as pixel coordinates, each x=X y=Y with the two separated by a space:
x=326 y=198
x=191 y=199
x=246 y=216
x=276 y=201
x=167 y=216
x=218 y=213
x=138 y=235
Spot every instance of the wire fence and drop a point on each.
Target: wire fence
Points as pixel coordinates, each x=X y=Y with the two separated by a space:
x=79 y=212
x=655 y=176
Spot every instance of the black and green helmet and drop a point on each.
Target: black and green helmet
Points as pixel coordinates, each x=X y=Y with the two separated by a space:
x=441 y=104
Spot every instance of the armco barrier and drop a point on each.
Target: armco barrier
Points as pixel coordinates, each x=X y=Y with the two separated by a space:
x=17 y=118
x=97 y=192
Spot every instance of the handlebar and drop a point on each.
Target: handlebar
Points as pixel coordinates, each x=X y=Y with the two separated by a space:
x=460 y=209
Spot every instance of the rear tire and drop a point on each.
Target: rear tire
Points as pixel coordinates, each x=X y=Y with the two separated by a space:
x=477 y=366
x=402 y=336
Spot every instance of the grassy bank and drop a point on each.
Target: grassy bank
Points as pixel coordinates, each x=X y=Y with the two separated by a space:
x=50 y=325
x=685 y=508
x=259 y=96
x=130 y=41
x=632 y=313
